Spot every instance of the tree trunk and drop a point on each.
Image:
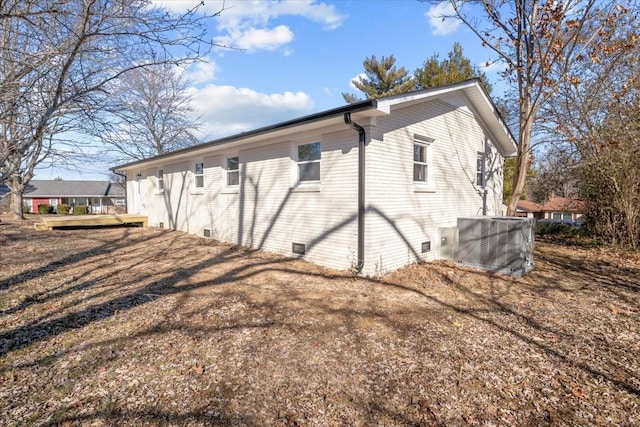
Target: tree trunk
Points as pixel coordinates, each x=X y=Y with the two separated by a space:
x=522 y=159
x=17 y=189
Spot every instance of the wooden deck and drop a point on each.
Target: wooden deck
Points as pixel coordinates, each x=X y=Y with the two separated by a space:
x=51 y=222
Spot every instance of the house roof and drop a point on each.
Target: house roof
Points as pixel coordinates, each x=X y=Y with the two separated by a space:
x=563 y=204
x=45 y=188
x=471 y=90
x=554 y=204
x=528 y=206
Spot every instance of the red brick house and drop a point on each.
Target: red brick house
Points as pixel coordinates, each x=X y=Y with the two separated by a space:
x=556 y=208
x=98 y=196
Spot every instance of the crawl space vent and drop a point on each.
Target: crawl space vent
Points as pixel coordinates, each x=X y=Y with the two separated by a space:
x=161 y=225
x=426 y=246
x=207 y=232
x=298 y=248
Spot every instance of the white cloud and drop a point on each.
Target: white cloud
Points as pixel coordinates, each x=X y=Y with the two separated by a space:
x=440 y=24
x=249 y=24
x=258 y=39
x=201 y=72
x=227 y=110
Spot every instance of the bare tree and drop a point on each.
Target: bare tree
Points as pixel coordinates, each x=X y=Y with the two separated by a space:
x=543 y=44
x=58 y=56
x=148 y=112
x=595 y=120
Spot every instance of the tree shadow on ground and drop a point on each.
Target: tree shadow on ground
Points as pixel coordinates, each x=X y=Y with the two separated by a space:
x=216 y=294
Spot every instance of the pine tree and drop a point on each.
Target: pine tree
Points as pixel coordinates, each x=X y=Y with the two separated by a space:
x=456 y=68
x=382 y=79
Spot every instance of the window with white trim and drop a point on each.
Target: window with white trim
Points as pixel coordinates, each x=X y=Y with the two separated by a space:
x=160 y=176
x=233 y=171
x=480 y=165
x=422 y=158
x=199 y=175
x=308 y=162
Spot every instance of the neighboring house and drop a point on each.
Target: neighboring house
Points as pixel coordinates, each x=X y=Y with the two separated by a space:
x=370 y=186
x=556 y=208
x=528 y=209
x=99 y=196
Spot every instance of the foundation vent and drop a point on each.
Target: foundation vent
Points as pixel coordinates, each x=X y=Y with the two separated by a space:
x=298 y=248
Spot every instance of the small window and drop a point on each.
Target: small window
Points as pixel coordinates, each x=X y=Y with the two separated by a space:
x=420 y=164
x=557 y=215
x=199 y=175
x=480 y=170
x=421 y=158
x=233 y=171
x=309 y=162
x=160 y=180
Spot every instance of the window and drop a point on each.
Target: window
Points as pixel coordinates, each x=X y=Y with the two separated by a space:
x=160 y=180
x=120 y=201
x=420 y=165
x=309 y=162
x=233 y=171
x=53 y=202
x=421 y=158
x=480 y=170
x=199 y=175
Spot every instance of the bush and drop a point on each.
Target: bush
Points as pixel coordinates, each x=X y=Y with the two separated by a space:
x=45 y=209
x=543 y=228
x=79 y=210
x=63 y=209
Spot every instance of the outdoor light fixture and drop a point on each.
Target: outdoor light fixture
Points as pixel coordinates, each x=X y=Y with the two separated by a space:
x=138 y=176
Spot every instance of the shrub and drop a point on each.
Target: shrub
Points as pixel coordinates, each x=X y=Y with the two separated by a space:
x=45 y=209
x=63 y=209
x=79 y=210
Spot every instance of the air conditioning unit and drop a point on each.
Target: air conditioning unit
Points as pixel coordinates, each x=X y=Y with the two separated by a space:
x=500 y=244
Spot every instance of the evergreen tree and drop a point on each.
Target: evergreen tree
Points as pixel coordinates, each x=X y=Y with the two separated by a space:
x=456 y=68
x=382 y=79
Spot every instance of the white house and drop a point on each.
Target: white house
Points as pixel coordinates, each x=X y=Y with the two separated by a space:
x=370 y=186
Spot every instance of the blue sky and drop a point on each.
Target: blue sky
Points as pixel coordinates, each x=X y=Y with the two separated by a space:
x=299 y=56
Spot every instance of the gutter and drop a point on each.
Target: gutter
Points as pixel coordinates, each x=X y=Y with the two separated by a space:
x=361 y=207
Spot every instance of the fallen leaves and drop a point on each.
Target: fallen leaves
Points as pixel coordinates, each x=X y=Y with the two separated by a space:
x=144 y=327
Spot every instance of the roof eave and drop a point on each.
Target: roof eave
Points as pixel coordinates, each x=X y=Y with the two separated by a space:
x=351 y=108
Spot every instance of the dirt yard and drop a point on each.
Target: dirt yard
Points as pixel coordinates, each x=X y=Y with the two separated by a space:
x=132 y=326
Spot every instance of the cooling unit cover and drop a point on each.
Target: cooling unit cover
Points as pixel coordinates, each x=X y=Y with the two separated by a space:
x=501 y=244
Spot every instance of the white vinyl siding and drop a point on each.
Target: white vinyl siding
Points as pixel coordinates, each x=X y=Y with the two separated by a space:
x=403 y=216
x=272 y=207
x=264 y=211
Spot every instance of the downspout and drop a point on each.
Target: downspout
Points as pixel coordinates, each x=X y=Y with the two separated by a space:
x=361 y=141
x=126 y=196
